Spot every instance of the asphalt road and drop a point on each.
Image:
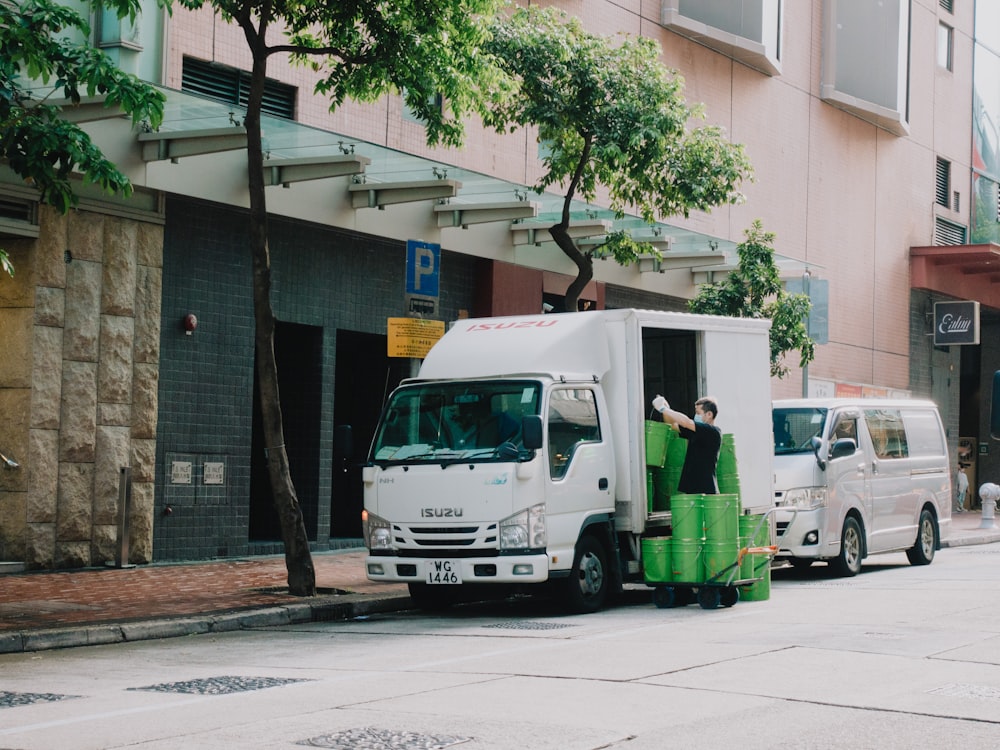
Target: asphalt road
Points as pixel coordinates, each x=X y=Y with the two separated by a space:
x=898 y=657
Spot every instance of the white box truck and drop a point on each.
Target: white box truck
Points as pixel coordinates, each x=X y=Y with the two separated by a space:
x=552 y=488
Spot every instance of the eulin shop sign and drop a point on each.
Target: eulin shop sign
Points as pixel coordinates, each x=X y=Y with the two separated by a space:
x=956 y=323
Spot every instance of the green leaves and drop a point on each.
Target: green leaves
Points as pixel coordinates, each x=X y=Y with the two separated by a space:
x=614 y=117
x=5 y=263
x=39 y=146
x=754 y=290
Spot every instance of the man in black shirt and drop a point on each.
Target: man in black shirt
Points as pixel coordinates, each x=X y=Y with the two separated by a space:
x=704 y=441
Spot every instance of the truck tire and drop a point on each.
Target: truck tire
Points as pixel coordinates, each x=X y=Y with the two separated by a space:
x=848 y=562
x=585 y=590
x=922 y=551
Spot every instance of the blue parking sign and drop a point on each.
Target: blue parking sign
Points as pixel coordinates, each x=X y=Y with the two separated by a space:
x=423 y=264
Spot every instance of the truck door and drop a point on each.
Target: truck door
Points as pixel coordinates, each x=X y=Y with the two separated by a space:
x=580 y=461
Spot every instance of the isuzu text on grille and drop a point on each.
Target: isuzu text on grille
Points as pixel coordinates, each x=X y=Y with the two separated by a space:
x=440 y=512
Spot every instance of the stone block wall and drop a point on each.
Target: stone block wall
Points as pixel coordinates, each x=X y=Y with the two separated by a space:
x=83 y=389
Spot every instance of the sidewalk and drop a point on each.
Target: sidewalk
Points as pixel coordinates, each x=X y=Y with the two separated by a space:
x=107 y=605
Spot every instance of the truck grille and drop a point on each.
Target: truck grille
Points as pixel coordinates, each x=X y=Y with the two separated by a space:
x=453 y=541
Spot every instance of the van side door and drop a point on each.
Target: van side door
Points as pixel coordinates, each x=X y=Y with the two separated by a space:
x=893 y=497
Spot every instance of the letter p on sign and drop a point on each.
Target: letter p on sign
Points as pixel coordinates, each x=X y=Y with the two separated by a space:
x=422 y=268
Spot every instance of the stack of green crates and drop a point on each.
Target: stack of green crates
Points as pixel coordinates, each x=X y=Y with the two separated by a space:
x=727 y=472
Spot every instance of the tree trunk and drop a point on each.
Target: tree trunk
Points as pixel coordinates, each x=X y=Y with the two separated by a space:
x=298 y=559
x=584 y=265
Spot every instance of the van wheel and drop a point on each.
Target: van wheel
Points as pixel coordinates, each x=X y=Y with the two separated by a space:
x=848 y=562
x=922 y=552
x=586 y=588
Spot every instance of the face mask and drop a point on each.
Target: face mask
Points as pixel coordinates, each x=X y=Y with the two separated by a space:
x=699 y=419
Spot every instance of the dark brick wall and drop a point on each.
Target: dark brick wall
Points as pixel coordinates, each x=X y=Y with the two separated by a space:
x=618 y=297
x=321 y=277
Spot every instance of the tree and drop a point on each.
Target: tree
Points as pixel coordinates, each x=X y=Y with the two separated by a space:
x=362 y=50
x=35 y=142
x=610 y=114
x=754 y=290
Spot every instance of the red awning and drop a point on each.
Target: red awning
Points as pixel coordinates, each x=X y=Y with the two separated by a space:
x=969 y=272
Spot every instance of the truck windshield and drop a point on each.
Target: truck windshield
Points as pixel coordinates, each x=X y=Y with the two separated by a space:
x=794 y=429
x=455 y=422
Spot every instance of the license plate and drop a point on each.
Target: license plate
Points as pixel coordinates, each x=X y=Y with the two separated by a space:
x=444 y=571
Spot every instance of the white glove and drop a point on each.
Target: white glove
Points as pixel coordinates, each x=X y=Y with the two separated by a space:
x=660 y=404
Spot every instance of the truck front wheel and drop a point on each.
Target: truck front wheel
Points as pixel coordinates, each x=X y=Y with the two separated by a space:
x=586 y=588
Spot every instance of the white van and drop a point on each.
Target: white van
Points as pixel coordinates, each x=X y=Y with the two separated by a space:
x=858 y=477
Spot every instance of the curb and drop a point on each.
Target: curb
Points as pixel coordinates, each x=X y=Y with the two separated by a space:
x=987 y=536
x=323 y=609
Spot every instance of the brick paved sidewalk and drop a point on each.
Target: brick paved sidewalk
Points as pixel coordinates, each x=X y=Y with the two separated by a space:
x=32 y=601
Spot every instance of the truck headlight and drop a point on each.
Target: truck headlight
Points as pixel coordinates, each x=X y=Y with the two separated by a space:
x=806 y=498
x=377 y=532
x=524 y=530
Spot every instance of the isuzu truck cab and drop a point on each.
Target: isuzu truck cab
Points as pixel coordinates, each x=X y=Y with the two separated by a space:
x=517 y=456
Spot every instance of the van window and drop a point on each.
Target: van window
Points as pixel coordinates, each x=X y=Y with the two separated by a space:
x=795 y=428
x=888 y=435
x=572 y=420
x=923 y=432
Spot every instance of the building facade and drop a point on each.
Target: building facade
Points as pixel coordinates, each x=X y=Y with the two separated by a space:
x=871 y=128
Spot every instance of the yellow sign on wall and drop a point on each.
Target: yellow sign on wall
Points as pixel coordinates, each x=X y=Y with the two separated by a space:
x=413 y=337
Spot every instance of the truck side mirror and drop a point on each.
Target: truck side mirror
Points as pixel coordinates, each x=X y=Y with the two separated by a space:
x=995 y=408
x=531 y=431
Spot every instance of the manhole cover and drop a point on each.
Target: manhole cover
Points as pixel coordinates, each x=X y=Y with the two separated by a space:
x=959 y=690
x=527 y=625
x=219 y=685
x=10 y=700
x=370 y=738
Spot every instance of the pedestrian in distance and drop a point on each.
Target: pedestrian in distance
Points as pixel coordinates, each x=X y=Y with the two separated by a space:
x=704 y=442
x=961 y=488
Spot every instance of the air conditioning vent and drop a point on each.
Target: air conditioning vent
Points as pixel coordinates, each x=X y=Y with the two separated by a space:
x=948 y=232
x=18 y=217
x=232 y=86
x=942 y=186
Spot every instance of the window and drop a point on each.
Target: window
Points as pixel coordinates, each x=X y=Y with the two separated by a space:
x=231 y=85
x=572 y=420
x=748 y=31
x=886 y=429
x=945 y=45
x=923 y=433
x=942 y=186
x=865 y=70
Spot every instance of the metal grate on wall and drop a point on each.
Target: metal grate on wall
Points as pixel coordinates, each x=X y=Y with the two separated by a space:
x=948 y=5
x=232 y=85
x=942 y=186
x=948 y=232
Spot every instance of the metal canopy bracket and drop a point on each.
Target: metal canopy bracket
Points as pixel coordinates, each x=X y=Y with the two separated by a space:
x=286 y=171
x=379 y=194
x=537 y=232
x=463 y=214
x=160 y=146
